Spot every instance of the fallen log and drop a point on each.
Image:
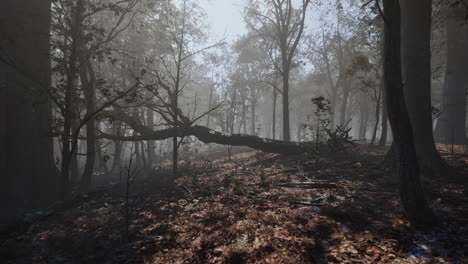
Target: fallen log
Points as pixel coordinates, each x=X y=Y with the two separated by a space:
x=207 y=135
x=281 y=172
x=308 y=185
x=315 y=202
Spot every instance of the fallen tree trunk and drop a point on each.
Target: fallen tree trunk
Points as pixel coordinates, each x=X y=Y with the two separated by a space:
x=207 y=135
x=308 y=185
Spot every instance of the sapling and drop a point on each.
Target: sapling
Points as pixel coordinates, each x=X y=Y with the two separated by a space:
x=131 y=173
x=322 y=113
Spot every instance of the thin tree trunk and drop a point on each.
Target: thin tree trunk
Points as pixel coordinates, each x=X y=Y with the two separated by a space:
x=383 y=135
x=274 y=113
x=363 y=118
x=87 y=79
x=253 y=118
x=286 y=132
x=116 y=128
x=244 y=118
x=72 y=71
x=344 y=103
x=377 y=120
x=377 y=114
x=150 y=143
x=210 y=102
x=74 y=126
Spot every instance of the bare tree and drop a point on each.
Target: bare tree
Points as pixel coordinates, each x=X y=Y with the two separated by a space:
x=283 y=25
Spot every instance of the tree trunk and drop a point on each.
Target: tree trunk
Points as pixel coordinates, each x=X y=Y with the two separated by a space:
x=411 y=192
x=416 y=70
x=344 y=103
x=74 y=126
x=377 y=114
x=207 y=135
x=383 y=135
x=71 y=75
x=117 y=147
x=253 y=118
x=29 y=178
x=88 y=82
x=452 y=121
x=210 y=102
x=274 y=113
x=363 y=117
x=150 y=151
x=285 y=94
x=376 y=125
x=244 y=118
x=333 y=100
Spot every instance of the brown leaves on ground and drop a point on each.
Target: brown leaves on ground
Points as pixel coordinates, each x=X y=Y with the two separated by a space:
x=233 y=211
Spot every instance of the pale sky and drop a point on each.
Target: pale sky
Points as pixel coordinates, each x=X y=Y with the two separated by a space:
x=224 y=18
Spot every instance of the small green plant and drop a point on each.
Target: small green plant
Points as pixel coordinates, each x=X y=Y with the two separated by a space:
x=323 y=112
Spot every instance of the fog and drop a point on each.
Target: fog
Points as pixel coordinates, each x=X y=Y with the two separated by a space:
x=149 y=123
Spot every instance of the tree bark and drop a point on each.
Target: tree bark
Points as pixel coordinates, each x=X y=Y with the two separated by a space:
x=253 y=118
x=71 y=75
x=452 y=121
x=274 y=113
x=363 y=117
x=344 y=103
x=383 y=135
x=244 y=117
x=74 y=123
x=377 y=113
x=411 y=192
x=285 y=96
x=416 y=70
x=88 y=82
x=117 y=127
x=28 y=175
x=150 y=151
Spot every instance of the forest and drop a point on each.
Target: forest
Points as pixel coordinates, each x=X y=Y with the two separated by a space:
x=233 y=131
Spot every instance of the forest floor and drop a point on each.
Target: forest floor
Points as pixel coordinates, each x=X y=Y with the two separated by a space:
x=239 y=211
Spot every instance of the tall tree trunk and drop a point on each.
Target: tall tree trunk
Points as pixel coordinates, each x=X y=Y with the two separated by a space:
x=333 y=100
x=376 y=125
x=285 y=94
x=253 y=118
x=88 y=82
x=150 y=151
x=71 y=75
x=74 y=126
x=383 y=135
x=377 y=113
x=138 y=161
x=210 y=103
x=344 y=103
x=244 y=118
x=117 y=147
x=274 y=113
x=416 y=70
x=363 y=113
x=411 y=192
x=452 y=121
x=29 y=178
